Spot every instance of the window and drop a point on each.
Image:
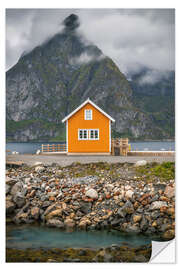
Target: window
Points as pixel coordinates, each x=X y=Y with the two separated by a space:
x=94 y=134
x=83 y=134
x=88 y=134
x=88 y=114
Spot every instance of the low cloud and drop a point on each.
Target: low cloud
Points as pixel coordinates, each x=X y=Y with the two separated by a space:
x=85 y=58
x=152 y=77
x=132 y=38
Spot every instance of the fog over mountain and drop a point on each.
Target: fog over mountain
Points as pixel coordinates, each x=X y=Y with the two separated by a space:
x=133 y=38
x=52 y=79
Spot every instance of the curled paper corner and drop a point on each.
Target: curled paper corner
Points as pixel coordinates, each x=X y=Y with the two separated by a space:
x=163 y=252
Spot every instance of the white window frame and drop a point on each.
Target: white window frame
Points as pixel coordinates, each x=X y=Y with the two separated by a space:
x=83 y=139
x=86 y=114
x=88 y=134
x=94 y=138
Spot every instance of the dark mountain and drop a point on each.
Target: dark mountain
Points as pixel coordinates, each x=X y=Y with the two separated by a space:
x=156 y=98
x=53 y=79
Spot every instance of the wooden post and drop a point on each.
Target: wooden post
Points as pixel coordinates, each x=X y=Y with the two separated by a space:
x=112 y=147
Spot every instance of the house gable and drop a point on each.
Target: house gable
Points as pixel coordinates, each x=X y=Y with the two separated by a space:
x=82 y=105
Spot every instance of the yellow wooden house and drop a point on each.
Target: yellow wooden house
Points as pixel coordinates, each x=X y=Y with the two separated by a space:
x=88 y=130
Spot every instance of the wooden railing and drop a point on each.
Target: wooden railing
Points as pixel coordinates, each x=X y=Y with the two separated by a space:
x=121 y=146
x=53 y=148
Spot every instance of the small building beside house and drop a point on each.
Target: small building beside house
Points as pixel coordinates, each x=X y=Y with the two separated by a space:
x=88 y=130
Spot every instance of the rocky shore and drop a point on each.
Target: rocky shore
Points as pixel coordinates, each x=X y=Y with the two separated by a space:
x=110 y=254
x=132 y=198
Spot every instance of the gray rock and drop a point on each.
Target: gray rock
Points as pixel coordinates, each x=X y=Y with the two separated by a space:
x=37 y=163
x=46 y=203
x=121 y=213
x=86 y=179
x=155 y=198
x=55 y=223
x=140 y=163
x=169 y=192
x=150 y=230
x=39 y=169
x=157 y=205
x=10 y=181
x=163 y=227
x=44 y=198
x=85 y=207
x=24 y=190
x=115 y=222
x=19 y=199
x=128 y=208
x=140 y=258
x=158 y=187
x=133 y=229
x=92 y=193
x=82 y=252
x=16 y=188
x=144 y=224
x=8 y=188
x=155 y=214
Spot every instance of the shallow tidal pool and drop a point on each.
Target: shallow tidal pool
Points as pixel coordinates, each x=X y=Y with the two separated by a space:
x=28 y=236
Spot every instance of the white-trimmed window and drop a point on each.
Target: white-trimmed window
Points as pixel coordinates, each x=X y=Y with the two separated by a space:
x=88 y=114
x=83 y=134
x=88 y=134
x=94 y=134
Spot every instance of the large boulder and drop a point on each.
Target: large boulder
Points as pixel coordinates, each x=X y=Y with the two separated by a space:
x=92 y=193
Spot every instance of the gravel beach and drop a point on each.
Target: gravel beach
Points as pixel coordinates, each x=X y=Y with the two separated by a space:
x=64 y=160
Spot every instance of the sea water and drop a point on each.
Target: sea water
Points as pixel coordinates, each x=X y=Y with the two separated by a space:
x=32 y=147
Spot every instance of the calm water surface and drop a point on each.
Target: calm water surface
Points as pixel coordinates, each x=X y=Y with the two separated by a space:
x=28 y=236
x=31 y=148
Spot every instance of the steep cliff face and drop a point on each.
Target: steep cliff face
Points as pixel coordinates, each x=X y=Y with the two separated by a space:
x=53 y=79
x=156 y=99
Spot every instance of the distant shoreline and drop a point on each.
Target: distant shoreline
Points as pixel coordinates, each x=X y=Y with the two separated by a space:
x=133 y=140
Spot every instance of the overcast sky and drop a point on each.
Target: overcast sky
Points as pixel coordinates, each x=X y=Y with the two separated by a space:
x=133 y=38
